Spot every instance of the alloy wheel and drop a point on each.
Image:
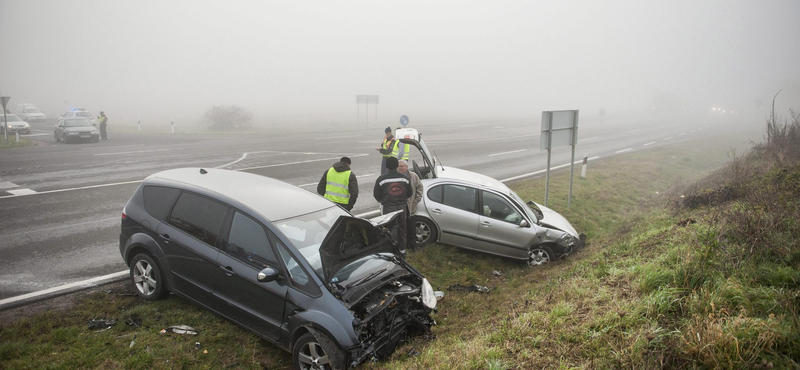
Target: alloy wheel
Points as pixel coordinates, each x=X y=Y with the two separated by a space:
x=423 y=231
x=313 y=357
x=143 y=277
x=537 y=257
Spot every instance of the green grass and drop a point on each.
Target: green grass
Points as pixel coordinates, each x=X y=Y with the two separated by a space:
x=12 y=142
x=644 y=293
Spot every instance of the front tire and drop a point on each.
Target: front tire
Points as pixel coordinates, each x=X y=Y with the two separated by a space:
x=425 y=231
x=540 y=255
x=147 y=277
x=55 y=136
x=317 y=352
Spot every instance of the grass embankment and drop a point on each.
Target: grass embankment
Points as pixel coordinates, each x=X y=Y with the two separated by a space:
x=648 y=291
x=13 y=143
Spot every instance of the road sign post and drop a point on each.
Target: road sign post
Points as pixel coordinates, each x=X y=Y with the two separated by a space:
x=559 y=128
x=367 y=100
x=4 y=100
x=172 y=124
x=139 y=124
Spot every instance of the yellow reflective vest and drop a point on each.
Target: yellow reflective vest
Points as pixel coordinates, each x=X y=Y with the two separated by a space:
x=395 y=149
x=337 y=186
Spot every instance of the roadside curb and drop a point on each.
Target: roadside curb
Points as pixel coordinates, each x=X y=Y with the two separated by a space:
x=41 y=295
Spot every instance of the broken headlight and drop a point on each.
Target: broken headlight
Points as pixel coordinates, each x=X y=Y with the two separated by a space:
x=565 y=240
x=428 y=297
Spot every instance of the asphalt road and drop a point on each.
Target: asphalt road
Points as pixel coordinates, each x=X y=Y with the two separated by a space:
x=60 y=204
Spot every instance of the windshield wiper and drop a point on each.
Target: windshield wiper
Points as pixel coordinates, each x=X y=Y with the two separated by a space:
x=364 y=279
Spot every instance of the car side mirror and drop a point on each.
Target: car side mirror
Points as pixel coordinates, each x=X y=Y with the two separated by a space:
x=268 y=274
x=524 y=223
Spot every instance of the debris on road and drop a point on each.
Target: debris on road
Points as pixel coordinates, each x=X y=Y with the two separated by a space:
x=180 y=329
x=471 y=288
x=438 y=294
x=197 y=345
x=497 y=273
x=133 y=341
x=102 y=324
x=134 y=321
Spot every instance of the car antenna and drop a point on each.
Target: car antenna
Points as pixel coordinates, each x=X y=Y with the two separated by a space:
x=203 y=172
x=440 y=160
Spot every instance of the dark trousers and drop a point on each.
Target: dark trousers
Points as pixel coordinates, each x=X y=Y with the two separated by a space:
x=383 y=166
x=401 y=225
x=103 y=133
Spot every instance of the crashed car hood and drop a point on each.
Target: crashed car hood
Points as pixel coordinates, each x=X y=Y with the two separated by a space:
x=353 y=238
x=554 y=220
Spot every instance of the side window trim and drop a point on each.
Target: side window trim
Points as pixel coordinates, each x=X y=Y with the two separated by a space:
x=312 y=290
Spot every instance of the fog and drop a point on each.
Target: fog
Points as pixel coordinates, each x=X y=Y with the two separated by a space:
x=433 y=61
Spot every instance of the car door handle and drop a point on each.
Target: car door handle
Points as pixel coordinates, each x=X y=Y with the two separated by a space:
x=165 y=237
x=485 y=223
x=228 y=270
x=437 y=211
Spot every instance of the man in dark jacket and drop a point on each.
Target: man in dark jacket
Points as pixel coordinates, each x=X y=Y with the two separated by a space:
x=392 y=190
x=339 y=184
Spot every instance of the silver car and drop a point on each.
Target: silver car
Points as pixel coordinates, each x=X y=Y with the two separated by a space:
x=492 y=218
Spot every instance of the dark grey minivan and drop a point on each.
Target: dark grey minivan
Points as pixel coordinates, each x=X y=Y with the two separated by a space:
x=284 y=263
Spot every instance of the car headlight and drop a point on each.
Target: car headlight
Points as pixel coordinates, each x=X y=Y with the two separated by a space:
x=72 y=133
x=428 y=297
x=565 y=240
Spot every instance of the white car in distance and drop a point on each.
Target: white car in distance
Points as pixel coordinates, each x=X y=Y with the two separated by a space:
x=29 y=112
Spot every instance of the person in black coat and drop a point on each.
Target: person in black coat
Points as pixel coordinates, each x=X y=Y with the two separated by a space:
x=392 y=190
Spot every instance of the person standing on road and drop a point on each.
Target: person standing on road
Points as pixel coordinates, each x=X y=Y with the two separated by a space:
x=388 y=148
x=103 y=124
x=339 y=184
x=416 y=197
x=392 y=191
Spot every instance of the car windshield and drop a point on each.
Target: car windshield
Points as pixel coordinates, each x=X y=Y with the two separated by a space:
x=308 y=231
x=11 y=118
x=31 y=110
x=83 y=114
x=76 y=123
x=522 y=204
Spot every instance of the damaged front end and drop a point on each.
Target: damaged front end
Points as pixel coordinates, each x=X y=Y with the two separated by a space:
x=389 y=299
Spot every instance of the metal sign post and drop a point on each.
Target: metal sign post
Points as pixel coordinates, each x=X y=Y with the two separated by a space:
x=4 y=100
x=367 y=100
x=559 y=128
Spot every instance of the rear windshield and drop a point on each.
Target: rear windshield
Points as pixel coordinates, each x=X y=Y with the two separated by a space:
x=83 y=114
x=76 y=123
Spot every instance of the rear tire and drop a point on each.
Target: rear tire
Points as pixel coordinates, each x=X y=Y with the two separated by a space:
x=147 y=277
x=55 y=136
x=425 y=231
x=317 y=352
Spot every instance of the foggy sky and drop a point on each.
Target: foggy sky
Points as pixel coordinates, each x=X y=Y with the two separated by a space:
x=442 y=60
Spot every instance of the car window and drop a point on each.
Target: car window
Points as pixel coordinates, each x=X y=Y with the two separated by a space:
x=435 y=194
x=494 y=206
x=198 y=216
x=308 y=231
x=83 y=114
x=296 y=272
x=248 y=242
x=76 y=123
x=461 y=197
x=158 y=200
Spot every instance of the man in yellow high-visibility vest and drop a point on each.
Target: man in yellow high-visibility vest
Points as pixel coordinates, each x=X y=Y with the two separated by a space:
x=339 y=184
x=388 y=148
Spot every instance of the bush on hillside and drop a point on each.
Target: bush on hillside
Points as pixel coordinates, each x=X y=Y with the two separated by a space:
x=228 y=117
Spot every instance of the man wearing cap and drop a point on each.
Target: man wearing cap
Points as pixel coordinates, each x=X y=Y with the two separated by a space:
x=392 y=190
x=103 y=124
x=388 y=148
x=339 y=184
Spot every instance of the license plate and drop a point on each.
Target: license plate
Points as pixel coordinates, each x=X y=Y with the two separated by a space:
x=85 y=136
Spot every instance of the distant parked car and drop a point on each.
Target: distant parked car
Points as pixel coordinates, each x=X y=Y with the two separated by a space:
x=15 y=124
x=74 y=130
x=487 y=216
x=290 y=266
x=29 y=112
x=81 y=113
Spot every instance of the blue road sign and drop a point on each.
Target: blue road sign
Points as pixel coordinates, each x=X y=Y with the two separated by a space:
x=404 y=120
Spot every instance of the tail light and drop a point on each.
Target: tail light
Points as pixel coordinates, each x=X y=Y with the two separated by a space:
x=124 y=216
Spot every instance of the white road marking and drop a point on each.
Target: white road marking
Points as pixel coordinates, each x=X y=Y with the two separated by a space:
x=316 y=183
x=20 y=192
x=29 y=135
x=228 y=164
x=499 y=127
x=650 y=143
x=298 y=162
x=480 y=140
x=543 y=171
x=60 y=227
x=86 y=283
x=701 y=128
x=140 y=151
x=681 y=134
x=7 y=185
x=40 y=130
x=668 y=138
x=623 y=150
x=513 y=151
x=335 y=137
x=589 y=139
x=112 y=147
x=70 y=189
x=693 y=131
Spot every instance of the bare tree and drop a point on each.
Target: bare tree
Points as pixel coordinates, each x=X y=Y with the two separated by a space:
x=228 y=117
